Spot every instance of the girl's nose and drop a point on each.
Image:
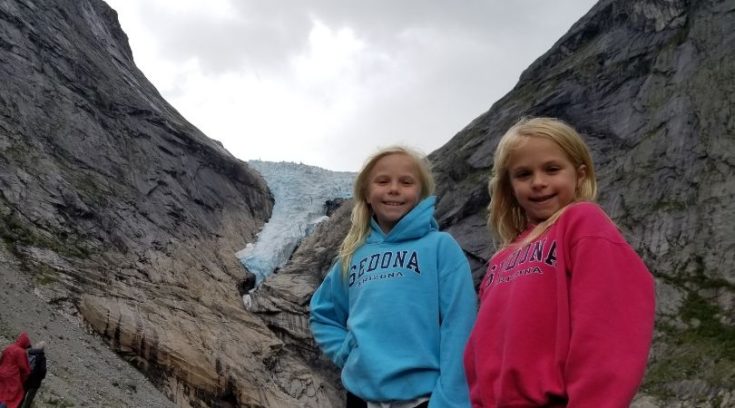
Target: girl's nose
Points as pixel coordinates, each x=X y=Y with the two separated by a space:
x=538 y=180
x=393 y=187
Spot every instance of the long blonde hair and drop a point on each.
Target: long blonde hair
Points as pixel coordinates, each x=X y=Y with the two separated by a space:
x=506 y=217
x=361 y=211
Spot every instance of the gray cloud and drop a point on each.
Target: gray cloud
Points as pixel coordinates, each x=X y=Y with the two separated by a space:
x=431 y=66
x=263 y=34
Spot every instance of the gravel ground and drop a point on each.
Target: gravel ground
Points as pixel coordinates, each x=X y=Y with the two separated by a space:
x=82 y=371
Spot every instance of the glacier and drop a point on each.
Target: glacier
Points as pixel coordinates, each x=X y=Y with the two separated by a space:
x=300 y=193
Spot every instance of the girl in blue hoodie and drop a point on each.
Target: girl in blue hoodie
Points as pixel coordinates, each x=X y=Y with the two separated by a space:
x=396 y=309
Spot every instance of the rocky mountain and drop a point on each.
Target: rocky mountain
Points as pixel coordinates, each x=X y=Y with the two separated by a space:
x=120 y=217
x=650 y=85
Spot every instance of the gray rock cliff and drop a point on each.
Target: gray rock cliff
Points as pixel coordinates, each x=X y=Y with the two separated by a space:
x=124 y=216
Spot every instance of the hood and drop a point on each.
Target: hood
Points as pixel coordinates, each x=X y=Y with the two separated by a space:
x=415 y=224
x=23 y=341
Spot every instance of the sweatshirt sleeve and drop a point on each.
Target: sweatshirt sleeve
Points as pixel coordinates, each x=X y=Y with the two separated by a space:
x=457 y=308
x=328 y=317
x=612 y=304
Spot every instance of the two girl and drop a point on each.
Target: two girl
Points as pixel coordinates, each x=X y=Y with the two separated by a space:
x=566 y=306
x=395 y=311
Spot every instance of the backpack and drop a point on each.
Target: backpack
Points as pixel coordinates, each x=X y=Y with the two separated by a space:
x=37 y=361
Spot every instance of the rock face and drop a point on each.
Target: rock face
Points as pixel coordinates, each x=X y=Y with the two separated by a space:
x=123 y=213
x=651 y=87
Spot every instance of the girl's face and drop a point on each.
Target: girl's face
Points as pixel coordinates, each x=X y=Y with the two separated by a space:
x=393 y=189
x=543 y=178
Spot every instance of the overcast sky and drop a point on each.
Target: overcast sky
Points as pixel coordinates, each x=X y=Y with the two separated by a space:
x=328 y=82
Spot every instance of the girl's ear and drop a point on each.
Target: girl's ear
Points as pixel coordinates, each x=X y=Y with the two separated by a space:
x=581 y=175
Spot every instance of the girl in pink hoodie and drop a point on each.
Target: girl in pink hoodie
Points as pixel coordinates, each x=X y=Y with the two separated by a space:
x=566 y=306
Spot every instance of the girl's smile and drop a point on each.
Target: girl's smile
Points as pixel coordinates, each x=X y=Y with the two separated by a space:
x=539 y=199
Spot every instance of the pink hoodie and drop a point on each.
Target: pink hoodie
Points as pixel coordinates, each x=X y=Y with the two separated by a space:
x=565 y=320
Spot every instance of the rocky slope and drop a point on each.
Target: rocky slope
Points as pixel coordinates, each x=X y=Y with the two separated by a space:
x=125 y=217
x=82 y=371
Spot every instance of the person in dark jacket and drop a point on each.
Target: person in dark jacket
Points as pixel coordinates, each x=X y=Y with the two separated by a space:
x=37 y=362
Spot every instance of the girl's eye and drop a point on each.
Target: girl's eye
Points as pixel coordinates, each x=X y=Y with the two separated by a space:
x=555 y=167
x=407 y=182
x=521 y=174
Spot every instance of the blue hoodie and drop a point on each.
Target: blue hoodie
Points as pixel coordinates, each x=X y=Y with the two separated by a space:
x=398 y=322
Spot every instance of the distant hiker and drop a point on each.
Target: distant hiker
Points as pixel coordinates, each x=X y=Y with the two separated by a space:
x=566 y=306
x=14 y=369
x=395 y=310
x=37 y=362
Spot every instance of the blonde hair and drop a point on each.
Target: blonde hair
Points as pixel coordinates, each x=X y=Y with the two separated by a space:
x=506 y=217
x=361 y=211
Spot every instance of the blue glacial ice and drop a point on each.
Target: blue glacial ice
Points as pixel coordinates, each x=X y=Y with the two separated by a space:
x=300 y=192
